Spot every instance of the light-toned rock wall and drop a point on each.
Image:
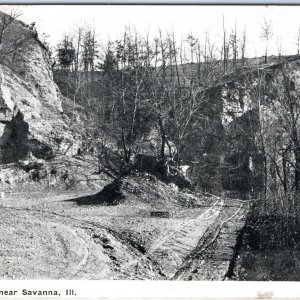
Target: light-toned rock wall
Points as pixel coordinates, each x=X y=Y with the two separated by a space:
x=31 y=115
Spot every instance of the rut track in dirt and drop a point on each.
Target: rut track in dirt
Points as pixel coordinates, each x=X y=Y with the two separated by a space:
x=64 y=217
x=61 y=245
x=183 y=234
x=212 y=257
x=173 y=255
x=169 y=251
x=34 y=247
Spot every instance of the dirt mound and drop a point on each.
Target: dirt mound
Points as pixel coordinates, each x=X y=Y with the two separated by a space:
x=111 y=194
x=141 y=189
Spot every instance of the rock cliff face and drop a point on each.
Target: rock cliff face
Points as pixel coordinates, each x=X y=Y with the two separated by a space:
x=240 y=103
x=31 y=116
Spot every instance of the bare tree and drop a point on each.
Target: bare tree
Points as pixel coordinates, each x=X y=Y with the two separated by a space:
x=225 y=46
x=266 y=35
x=279 y=47
x=89 y=56
x=298 y=42
x=243 y=45
x=234 y=45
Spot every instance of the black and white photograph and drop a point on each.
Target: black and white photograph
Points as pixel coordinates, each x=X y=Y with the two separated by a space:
x=150 y=142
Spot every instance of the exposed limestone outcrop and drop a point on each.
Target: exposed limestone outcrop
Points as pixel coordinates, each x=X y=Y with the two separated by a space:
x=239 y=103
x=236 y=100
x=31 y=116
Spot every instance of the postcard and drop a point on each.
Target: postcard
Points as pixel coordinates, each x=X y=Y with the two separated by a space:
x=149 y=151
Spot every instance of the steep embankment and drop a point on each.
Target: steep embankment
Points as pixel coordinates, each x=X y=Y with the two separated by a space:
x=31 y=116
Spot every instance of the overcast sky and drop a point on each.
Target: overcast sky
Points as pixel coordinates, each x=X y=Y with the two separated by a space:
x=109 y=21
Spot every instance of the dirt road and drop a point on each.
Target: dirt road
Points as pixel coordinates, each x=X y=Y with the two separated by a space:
x=49 y=237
